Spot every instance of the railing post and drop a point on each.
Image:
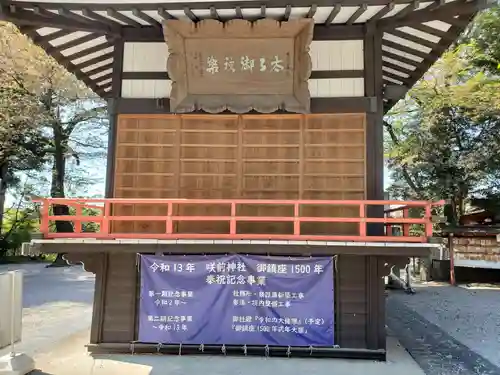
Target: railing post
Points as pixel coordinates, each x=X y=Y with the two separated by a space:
x=169 y=218
x=77 y=224
x=428 y=223
x=296 y=219
x=232 y=224
x=406 y=226
x=44 y=225
x=362 y=221
x=105 y=224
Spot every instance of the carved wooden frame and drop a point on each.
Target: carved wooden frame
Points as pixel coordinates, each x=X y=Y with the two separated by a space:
x=91 y=262
x=181 y=101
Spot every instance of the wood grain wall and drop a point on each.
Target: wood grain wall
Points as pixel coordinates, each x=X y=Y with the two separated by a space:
x=232 y=156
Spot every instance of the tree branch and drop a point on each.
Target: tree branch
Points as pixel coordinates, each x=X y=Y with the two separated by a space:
x=413 y=185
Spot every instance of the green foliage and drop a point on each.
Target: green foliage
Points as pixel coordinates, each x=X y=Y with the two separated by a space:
x=484 y=37
x=49 y=122
x=18 y=224
x=444 y=138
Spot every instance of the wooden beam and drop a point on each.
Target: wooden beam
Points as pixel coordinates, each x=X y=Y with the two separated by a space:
x=409 y=9
x=315 y=74
x=95 y=60
x=357 y=14
x=381 y=13
x=41 y=12
x=411 y=51
x=179 y=5
x=214 y=14
x=103 y=78
x=454 y=8
x=402 y=59
x=203 y=248
x=118 y=69
x=122 y=18
x=143 y=16
x=165 y=15
x=239 y=13
x=189 y=14
x=263 y=11
x=444 y=43
x=436 y=4
x=336 y=9
x=64 y=62
x=415 y=39
x=73 y=16
x=318 y=105
x=432 y=31
x=97 y=17
x=27 y=17
x=321 y=32
x=55 y=35
x=288 y=11
x=399 y=68
x=396 y=77
x=312 y=11
x=73 y=43
x=99 y=69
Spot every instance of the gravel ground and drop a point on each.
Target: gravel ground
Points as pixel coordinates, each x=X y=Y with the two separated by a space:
x=448 y=321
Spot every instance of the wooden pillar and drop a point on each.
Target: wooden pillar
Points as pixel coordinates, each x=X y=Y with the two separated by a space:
x=116 y=89
x=374 y=183
x=102 y=271
x=374 y=125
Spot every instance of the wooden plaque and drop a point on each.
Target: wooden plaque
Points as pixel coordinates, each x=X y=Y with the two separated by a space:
x=239 y=65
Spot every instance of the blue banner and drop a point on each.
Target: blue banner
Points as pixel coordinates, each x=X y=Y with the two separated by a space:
x=237 y=300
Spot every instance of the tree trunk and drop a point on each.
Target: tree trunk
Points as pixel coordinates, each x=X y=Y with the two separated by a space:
x=57 y=188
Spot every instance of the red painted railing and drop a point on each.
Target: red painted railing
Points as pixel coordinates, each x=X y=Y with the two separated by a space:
x=105 y=219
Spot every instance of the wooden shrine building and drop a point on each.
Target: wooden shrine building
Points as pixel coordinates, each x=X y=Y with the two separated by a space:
x=243 y=127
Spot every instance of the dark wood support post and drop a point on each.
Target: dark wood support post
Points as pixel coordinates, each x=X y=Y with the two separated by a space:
x=99 y=295
x=102 y=271
x=116 y=89
x=374 y=125
x=375 y=328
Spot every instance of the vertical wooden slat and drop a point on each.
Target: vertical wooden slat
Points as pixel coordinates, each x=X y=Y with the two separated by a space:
x=101 y=278
x=406 y=227
x=372 y=301
x=239 y=158
x=302 y=156
x=177 y=169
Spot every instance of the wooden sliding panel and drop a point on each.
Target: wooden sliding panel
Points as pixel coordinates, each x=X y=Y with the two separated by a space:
x=334 y=168
x=208 y=153
x=270 y=167
x=233 y=156
x=147 y=162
